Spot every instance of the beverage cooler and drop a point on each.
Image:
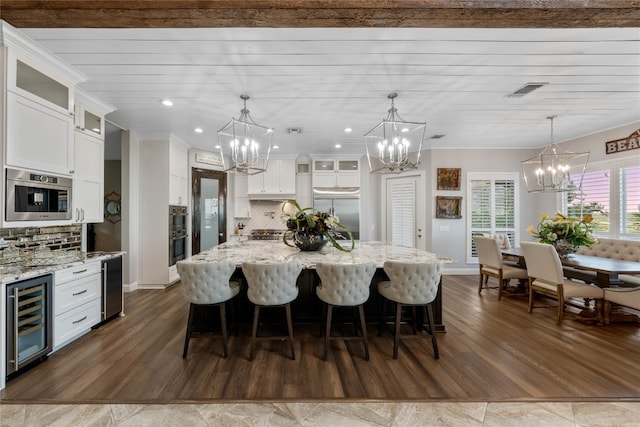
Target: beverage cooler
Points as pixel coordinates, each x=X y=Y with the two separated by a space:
x=29 y=322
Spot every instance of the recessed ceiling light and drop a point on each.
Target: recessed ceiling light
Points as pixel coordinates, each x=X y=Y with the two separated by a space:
x=404 y=130
x=348 y=130
x=166 y=102
x=275 y=147
x=337 y=145
x=217 y=147
x=198 y=130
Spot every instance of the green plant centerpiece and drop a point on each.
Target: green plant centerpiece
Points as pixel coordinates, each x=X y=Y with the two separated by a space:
x=565 y=233
x=310 y=230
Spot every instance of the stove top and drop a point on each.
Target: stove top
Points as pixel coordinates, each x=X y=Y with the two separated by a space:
x=266 y=234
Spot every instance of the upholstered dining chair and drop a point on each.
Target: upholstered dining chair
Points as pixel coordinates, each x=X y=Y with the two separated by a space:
x=207 y=283
x=491 y=264
x=271 y=284
x=344 y=285
x=546 y=277
x=411 y=284
x=629 y=297
x=501 y=238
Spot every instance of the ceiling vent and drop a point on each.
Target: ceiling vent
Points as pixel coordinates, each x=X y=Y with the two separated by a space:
x=436 y=136
x=526 y=89
x=294 y=130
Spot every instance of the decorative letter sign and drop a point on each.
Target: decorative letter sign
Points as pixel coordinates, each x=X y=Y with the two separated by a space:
x=632 y=142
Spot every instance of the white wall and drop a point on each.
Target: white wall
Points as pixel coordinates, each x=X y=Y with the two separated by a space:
x=130 y=209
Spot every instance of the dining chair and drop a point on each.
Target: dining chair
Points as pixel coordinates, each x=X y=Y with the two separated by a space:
x=628 y=297
x=491 y=264
x=414 y=285
x=345 y=285
x=271 y=284
x=546 y=277
x=207 y=283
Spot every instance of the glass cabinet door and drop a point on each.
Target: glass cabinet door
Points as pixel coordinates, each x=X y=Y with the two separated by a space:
x=33 y=81
x=92 y=123
x=347 y=165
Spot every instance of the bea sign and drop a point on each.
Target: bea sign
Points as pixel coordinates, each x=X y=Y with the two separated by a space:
x=632 y=142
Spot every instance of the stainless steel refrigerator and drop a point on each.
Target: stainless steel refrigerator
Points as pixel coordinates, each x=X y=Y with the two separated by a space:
x=343 y=202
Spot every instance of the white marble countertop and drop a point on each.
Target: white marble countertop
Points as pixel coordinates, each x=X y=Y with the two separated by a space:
x=11 y=273
x=265 y=250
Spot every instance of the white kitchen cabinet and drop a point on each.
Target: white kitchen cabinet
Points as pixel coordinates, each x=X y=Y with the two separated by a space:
x=279 y=180
x=178 y=172
x=336 y=173
x=241 y=204
x=38 y=137
x=89 y=121
x=88 y=179
x=76 y=302
x=303 y=185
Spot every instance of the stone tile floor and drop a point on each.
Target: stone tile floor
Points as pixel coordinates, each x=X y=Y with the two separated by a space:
x=352 y=414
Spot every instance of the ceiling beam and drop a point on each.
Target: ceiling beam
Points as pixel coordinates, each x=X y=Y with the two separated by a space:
x=321 y=13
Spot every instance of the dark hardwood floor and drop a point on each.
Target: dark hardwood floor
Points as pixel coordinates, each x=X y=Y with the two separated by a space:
x=492 y=351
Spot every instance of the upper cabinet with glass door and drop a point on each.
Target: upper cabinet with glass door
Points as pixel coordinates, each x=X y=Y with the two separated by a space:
x=89 y=115
x=336 y=173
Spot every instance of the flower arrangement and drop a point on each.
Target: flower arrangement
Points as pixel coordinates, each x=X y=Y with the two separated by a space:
x=313 y=225
x=562 y=231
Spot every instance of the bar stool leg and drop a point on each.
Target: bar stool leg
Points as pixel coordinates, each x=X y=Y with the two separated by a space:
x=290 y=326
x=254 y=331
x=363 y=329
x=432 y=328
x=327 y=331
x=223 y=326
x=189 y=329
x=396 y=334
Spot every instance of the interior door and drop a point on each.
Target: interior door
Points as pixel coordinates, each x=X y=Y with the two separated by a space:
x=404 y=213
x=209 y=208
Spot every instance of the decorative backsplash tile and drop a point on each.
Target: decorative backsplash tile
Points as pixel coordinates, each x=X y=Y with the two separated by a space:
x=264 y=214
x=20 y=243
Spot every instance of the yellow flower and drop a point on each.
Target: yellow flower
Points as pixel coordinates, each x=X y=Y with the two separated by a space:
x=587 y=218
x=530 y=229
x=544 y=216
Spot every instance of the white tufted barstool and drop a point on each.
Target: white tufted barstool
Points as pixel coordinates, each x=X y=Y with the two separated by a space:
x=271 y=284
x=207 y=283
x=411 y=284
x=345 y=285
x=491 y=265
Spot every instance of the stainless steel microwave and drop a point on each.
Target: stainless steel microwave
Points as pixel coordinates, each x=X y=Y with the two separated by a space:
x=32 y=196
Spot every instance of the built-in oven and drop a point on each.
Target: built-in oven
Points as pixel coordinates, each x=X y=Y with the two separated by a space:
x=29 y=322
x=34 y=196
x=177 y=233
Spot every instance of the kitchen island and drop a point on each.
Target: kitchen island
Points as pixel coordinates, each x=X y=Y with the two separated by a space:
x=307 y=307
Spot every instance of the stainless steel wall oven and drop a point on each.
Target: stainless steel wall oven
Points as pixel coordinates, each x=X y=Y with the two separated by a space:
x=36 y=197
x=177 y=233
x=29 y=322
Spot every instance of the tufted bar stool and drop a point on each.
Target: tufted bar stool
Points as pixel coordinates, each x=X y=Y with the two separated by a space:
x=411 y=284
x=345 y=285
x=207 y=283
x=271 y=285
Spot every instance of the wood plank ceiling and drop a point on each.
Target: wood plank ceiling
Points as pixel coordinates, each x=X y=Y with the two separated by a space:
x=326 y=65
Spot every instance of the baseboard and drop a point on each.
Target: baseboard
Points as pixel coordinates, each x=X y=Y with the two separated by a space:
x=460 y=271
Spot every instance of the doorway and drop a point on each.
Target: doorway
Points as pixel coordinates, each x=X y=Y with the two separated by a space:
x=404 y=214
x=209 y=209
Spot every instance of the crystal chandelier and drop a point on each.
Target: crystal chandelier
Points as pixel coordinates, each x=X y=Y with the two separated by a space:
x=394 y=145
x=554 y=170
x=249 y=143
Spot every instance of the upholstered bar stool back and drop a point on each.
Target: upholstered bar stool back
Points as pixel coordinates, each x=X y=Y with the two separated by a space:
x=546 y=277
x=345 y=285
x=411 y=284
x=207 y=283
x=491 y=264
x=271 y=284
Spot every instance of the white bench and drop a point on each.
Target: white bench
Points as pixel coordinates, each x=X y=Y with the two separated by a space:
x=628 y=250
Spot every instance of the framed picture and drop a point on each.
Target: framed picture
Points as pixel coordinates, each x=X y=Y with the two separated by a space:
x=448 y=207
x=448 y=178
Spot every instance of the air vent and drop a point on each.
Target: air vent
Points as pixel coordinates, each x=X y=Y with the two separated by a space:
x=294 y=130
x=436 y=136
x=526 y=89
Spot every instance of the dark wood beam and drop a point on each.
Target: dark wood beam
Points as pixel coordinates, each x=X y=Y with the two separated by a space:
x=321 y=13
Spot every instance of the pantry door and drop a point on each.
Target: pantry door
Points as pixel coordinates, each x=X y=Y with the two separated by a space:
x=209 y=209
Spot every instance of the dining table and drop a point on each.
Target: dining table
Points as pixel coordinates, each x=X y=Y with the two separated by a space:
x=601 y=271
x=307 y=307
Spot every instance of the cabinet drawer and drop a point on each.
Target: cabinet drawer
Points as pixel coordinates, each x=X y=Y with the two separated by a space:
x=76 y=292
x=87 y=269
x=74 y=322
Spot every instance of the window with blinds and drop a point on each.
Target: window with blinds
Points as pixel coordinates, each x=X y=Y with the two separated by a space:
x=612 y=196
x=403 y=216
x=492 y=206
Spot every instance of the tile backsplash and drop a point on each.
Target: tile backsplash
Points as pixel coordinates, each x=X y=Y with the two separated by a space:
x=264 y=214
x=17 y=244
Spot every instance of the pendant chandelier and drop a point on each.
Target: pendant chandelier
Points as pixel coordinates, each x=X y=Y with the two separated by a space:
x=249 y=143
x=394 y=145
x=554 y=170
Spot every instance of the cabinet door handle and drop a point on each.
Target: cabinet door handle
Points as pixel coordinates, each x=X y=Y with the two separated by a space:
x=79 y=293
x=80 y=271
x=80 y=320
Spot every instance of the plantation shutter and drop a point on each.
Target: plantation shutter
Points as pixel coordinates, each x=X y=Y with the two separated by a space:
x=594 y=199
x=630 y=201
x=492 y=208
x=403 y=220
